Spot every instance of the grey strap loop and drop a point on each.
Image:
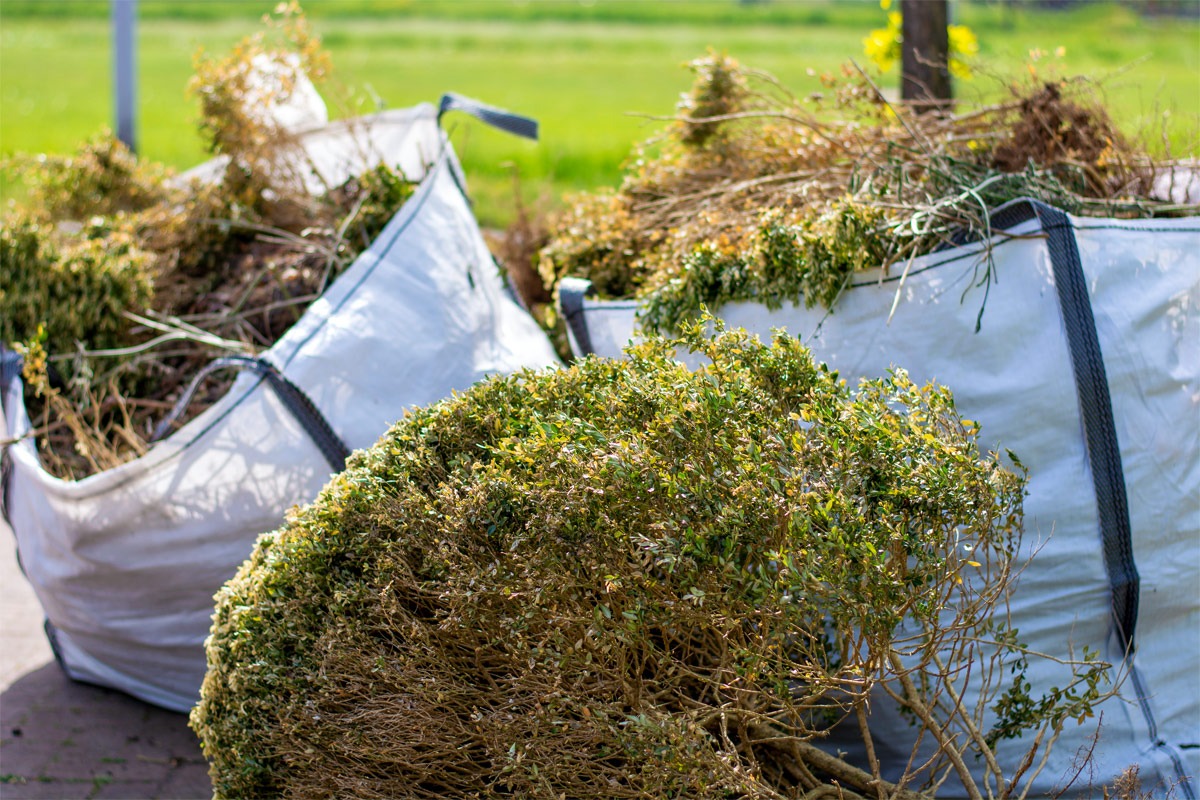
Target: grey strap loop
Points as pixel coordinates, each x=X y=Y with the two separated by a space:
x=11 y=365
x=496 y=117
x=571 y=294
x=185 y=399
x=1095 y=406
x=293 y=398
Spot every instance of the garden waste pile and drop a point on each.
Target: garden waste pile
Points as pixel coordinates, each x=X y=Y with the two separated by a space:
x=1026 y=255
x=707 y=568
x=754 y=194
x=179 y=282
x=121 y=281
x=629 y=579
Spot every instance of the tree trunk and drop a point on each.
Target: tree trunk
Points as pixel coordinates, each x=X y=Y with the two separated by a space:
x=925 y=52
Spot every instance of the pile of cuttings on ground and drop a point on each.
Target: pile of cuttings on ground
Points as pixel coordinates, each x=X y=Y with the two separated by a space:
x=753 y=194
x=120 y=281
x=628 y=579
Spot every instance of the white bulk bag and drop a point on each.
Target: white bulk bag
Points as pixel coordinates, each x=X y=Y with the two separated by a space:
x=329 y=155
x=279 y=92
x=126 y=562
x=1099 y=513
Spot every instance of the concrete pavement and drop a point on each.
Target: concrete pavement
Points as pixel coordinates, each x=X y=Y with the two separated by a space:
x=61 y=740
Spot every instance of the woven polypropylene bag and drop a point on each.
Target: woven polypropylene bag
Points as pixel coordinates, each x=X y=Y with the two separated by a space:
x=126 y=562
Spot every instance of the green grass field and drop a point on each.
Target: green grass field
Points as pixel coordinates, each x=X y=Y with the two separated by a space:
x=586 y=70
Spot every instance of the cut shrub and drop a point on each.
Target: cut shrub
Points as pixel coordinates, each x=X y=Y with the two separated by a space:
x=619 y=579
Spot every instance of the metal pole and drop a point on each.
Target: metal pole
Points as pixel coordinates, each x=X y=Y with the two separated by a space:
x=124 y=14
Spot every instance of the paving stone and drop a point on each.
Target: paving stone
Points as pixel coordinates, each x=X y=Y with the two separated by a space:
x=124 y=790
x=189 y=781
x=35 y=789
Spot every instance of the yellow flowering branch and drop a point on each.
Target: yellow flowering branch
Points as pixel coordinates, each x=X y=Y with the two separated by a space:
x=882 y=45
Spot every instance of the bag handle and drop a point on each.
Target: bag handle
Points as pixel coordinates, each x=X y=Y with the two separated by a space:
x=571 y=294
x=292 y=396
x=507 y=121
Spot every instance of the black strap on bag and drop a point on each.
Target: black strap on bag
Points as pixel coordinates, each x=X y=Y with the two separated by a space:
x=1100 y=432
x=1100 y=439
x=292 y=396
x=10 y=372
x=10 y=368
x=571 y=294
x=496 y=117
x=1095 y=407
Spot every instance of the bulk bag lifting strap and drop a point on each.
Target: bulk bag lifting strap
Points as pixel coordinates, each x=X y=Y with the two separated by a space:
x=293 y=397
x=1091 y=387
x=496 y=117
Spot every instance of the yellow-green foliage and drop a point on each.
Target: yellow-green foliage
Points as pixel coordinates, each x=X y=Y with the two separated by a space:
x=811 y=261
x=101 y=178
x=718 y=92
x=235 y=94
x=598 y=238
x=108 y=238
x=373 y=199
x=689 y=227
x=232 y=90
x=619 y=579
x=77 y=289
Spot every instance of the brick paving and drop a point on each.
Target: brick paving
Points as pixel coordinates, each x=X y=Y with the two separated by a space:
x=61 y=740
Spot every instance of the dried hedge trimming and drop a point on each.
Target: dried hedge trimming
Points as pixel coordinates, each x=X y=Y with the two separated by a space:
x=619 y=579
x=751 y=193
x=118 y=281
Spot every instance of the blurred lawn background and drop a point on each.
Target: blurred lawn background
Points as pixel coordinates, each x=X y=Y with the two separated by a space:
x=590 y=71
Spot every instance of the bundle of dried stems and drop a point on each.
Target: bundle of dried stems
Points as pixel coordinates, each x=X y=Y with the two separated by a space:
x=753 y=193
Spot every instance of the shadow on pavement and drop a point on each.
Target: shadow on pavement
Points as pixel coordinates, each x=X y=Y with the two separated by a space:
x=65 y=740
